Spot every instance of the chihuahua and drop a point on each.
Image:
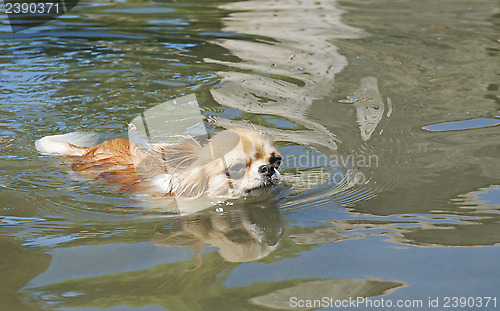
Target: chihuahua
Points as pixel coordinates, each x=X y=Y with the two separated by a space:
x=232 y=164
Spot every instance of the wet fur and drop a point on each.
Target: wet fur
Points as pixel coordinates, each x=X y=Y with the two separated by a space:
x=184 y=168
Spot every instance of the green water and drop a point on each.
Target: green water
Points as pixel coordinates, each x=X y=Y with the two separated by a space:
x=386 y=113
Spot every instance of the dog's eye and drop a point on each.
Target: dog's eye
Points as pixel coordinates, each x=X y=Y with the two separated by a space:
x=275 y=160
x=236 y=171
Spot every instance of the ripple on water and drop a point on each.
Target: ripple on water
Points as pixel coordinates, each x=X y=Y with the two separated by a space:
x=462 y=125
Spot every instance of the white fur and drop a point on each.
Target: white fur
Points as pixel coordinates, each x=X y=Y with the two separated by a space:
x=165 y=183
x=59 y=144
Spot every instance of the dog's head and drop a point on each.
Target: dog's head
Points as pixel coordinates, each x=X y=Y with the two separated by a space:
x=233 y=164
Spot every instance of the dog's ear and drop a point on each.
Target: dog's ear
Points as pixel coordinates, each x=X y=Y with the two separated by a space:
x=177 y=157
x=220 y=145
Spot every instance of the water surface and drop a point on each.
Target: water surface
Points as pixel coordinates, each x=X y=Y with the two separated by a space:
x=387 y=114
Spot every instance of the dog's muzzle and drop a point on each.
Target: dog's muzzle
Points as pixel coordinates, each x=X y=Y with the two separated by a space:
x=267 y=170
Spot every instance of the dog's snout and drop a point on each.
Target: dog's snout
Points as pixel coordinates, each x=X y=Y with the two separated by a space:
x=266 y=169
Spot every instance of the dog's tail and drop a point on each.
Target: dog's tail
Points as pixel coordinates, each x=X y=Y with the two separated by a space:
x=71 y=144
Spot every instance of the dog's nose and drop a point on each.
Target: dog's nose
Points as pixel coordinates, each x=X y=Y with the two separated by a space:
x=266 y=169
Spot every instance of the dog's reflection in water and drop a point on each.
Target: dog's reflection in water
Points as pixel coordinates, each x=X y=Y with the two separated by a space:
x=242 y=233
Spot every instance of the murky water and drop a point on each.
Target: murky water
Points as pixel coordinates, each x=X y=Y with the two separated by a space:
x=386 y=112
